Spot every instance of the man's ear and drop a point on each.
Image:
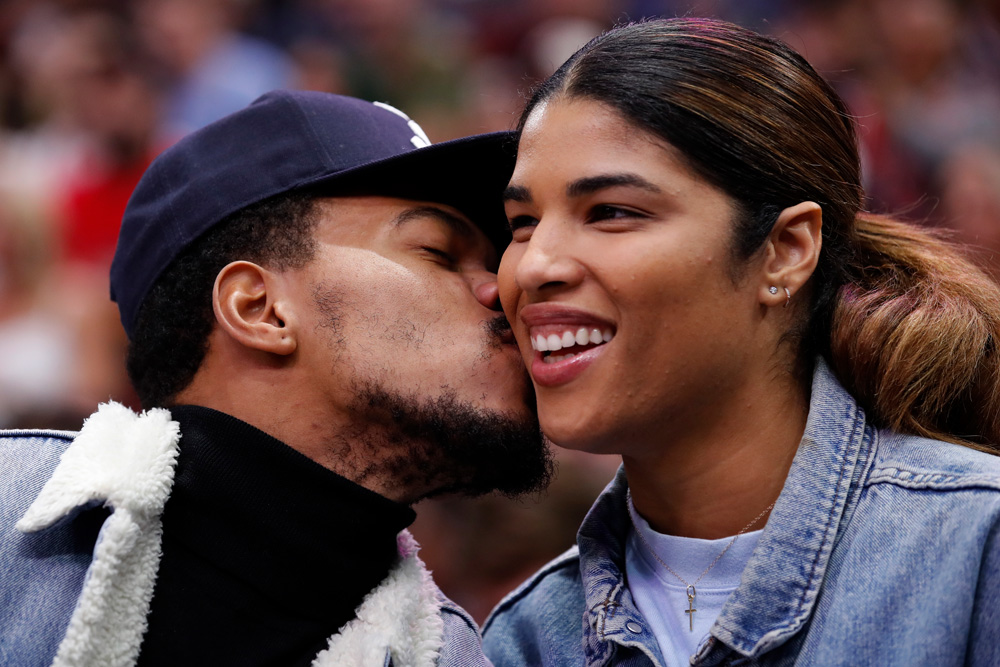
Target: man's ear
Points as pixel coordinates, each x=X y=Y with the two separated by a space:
x=248 y=308
x=791 y=253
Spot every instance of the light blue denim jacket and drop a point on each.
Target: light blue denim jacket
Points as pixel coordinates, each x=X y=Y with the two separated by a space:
x=58 y=575
x=883 y=549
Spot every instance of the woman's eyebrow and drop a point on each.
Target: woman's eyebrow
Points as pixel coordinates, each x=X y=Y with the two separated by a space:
x=585 y=186
x=591 y=184
x=517 y=193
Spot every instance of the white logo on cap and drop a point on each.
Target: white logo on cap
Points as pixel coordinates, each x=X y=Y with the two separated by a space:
x=419 y=138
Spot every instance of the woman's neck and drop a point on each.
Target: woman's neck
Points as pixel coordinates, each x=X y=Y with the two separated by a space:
x=713 y=483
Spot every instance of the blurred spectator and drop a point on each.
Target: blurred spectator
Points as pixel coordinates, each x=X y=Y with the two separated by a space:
x=920 y=97
x=36 y=348
x=981 y=37
x=970 y=203
x=65 y=179
x=116 y=107
x=45 y=145
x=410 y=53
x=209 y=68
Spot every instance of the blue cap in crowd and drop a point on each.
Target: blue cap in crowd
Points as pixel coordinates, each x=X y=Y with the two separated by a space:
x=291 y=140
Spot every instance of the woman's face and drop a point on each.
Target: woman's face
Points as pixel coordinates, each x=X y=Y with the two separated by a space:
x=620 y=287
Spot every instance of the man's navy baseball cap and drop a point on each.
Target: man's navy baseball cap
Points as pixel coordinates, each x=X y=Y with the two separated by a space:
x=292 y=140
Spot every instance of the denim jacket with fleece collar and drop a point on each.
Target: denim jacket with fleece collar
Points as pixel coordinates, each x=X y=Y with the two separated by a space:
x=883 y=549
x=74 y=598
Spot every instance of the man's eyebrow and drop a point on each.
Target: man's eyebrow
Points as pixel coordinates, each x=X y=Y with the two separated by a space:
x=591 y=184
x=460 y=226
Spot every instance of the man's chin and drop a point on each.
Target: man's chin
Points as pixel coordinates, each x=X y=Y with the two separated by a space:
x=452 y=446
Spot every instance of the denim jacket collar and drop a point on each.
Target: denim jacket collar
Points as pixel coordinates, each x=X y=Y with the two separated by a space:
x=775 y=599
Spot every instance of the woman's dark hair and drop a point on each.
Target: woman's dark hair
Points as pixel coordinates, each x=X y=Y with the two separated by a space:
x=171 y=333
x=908 y=324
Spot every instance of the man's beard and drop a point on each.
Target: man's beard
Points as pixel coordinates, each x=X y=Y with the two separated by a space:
x=427 y=446
x=455 y=447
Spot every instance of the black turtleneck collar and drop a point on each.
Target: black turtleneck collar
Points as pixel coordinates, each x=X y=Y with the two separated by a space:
x=265 y=552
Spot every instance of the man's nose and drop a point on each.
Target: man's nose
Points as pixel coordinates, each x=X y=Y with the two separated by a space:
x=487 y=291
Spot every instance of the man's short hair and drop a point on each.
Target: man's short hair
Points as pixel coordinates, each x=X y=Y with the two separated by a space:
x=171 y=333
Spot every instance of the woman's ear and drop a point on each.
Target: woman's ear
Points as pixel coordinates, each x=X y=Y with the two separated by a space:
x=791 y=253
x=248 y=308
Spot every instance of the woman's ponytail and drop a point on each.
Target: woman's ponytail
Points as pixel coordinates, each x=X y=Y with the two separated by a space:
x=915 y=335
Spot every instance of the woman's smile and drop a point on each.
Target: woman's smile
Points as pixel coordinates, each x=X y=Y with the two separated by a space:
x=564 y=341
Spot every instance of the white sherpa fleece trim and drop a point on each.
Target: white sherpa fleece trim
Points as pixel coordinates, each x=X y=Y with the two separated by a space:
x=119 y=457
x=126 y=460
x=402 y=616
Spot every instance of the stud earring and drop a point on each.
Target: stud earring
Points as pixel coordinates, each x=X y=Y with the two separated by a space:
x=788 y=297
x=772 y=289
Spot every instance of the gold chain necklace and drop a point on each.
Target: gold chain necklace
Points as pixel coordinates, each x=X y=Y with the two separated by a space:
x=690 y=591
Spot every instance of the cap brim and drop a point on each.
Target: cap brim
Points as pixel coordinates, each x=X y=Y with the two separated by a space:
x=469 y=174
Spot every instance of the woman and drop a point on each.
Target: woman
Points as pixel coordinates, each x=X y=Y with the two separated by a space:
x=797 y=389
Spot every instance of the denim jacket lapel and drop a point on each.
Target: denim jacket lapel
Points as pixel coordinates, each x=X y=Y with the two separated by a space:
x=782 y=580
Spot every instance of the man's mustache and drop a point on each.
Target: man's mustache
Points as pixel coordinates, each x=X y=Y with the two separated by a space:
x=499 y=330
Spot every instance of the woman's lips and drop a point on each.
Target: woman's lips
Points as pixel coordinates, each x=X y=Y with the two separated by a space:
x=565 y=341
x=550 y=370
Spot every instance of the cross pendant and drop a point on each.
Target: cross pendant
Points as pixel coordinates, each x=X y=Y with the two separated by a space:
x=691 y=610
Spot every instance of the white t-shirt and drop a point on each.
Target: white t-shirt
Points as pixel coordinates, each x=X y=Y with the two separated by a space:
x=662 y=598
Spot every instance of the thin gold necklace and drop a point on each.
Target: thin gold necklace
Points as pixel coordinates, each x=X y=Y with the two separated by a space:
x=691 y=591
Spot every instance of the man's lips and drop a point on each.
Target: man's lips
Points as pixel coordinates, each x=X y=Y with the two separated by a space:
x=499 y=328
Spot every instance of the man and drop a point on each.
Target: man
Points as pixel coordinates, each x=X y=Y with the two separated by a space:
x=313 y=314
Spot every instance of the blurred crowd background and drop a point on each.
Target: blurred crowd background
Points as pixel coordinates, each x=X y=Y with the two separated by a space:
x=92 y=90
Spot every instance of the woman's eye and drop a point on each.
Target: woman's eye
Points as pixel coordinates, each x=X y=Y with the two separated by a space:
x=521 y=227
x=521 y=221
x=606 y=212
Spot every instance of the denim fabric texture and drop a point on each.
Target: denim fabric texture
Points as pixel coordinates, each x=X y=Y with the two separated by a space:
x=883 y=549
x=35 y=602
x=43 y=573
x=462 y=644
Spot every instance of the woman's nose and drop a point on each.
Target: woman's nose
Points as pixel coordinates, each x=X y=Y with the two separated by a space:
x=547 y=261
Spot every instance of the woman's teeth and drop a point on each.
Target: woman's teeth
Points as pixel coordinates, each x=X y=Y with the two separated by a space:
x=569 y=338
